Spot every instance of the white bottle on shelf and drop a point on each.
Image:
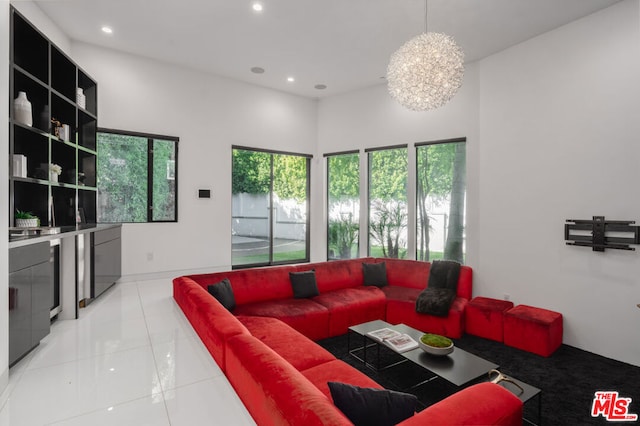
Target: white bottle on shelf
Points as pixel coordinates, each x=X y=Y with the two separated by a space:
x=22 y=109
x=19 y=165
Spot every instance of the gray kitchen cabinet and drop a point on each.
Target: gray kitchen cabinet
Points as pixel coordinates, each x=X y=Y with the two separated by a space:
x=107 y=259
x=30 y=297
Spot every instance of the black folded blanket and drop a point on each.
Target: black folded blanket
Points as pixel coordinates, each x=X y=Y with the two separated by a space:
x=441 y=290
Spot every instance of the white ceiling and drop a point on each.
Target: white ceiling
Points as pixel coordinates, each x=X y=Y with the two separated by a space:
x=344 y=44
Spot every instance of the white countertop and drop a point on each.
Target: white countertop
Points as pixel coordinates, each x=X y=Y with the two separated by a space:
x=65 y=232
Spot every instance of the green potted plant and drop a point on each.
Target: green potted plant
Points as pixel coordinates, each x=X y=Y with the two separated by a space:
x=435 y=344
x=26 y=219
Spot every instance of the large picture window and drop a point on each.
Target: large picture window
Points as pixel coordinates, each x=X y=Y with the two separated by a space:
x=388 y=202
x=440 y=199
x=343 y=206
x=137 y=177
x=270 y=207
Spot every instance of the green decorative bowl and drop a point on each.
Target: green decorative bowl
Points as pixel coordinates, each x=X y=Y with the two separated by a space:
x=435 y=344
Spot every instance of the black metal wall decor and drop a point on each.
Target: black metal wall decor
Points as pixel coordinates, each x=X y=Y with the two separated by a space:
x=602 y=234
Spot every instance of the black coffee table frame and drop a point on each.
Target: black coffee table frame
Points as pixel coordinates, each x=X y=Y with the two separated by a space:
x=459 y=368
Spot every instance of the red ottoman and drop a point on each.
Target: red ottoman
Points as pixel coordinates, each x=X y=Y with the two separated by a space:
x=533 y=329
x=483 y=317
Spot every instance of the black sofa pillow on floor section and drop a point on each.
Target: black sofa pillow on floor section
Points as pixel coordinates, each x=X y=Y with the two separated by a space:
x=223 y=292
x=372 y=407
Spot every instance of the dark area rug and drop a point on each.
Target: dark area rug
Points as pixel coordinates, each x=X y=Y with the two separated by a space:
x=568 y=379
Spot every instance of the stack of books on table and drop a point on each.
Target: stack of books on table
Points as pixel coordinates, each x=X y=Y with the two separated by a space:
x=397 y=341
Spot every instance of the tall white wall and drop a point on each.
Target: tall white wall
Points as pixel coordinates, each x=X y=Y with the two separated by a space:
x=42 y=22
x=559 y=140
x=209 y=114
x=4 y=195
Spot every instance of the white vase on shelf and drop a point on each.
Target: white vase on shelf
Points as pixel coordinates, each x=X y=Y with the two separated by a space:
x=22 y=109
x=81 y=99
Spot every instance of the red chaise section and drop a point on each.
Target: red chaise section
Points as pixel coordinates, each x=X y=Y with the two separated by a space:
x=210 y=320
x=273 y=391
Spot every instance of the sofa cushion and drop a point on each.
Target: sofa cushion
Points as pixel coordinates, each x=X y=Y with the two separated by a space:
x=338 y=274
x=480 y=404
x=305 y=315
x=290 y=344
x=253 y=284
x=452 y=326
x=337 y=371
x=351 y=306
x=415 y=274
x=210 y=320
x=304 y=284
x=372 y=407
x=407 y=273
x=375 y=274
x=435 y=301
x=223 y=293
x=405 y=294
x=272 y=390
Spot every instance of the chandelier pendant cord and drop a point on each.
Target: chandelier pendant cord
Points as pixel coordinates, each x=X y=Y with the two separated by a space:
x=426 y=6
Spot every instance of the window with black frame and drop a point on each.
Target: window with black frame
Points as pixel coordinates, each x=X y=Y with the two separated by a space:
x=440 y=200
x=343 y=205
x=137 y=177
x=388 y=209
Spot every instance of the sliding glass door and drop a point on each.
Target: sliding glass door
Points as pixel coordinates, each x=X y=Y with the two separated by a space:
x=270 y=208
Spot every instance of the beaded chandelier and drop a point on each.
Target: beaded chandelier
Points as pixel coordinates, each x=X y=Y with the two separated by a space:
x=426 y=72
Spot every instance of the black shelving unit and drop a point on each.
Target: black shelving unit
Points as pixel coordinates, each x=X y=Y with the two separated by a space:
x=50 y=79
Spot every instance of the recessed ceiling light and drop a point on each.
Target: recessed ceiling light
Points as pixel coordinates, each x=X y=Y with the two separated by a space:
x=257 y=7
x=320 y=86
x=257 y=70
x=107 y=30
x=291 y=79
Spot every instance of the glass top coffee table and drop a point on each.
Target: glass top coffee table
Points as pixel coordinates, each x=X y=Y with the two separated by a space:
x=459 y=367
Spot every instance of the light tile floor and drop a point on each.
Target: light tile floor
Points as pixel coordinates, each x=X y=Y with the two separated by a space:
x=131 y=359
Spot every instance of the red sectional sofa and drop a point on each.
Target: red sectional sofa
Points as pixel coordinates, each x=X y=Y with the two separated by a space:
x=266 y=348
x=343 y=300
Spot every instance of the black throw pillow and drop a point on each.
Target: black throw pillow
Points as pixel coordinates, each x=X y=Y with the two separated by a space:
x=372 y=407
x=435 y=301
x=375 y=274
x=304 y=284
x=444 y=274
x=224 y=293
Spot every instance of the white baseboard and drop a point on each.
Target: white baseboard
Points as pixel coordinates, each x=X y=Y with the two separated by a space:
x=4 y=387
x=171 y=274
